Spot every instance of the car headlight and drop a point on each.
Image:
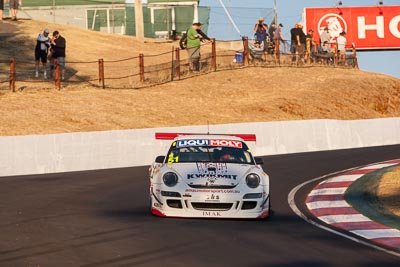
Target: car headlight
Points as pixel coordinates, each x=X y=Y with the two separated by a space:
x=252 y=180
x=170 y=179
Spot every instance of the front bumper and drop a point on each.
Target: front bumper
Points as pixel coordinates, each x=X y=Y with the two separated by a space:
x=210 y=203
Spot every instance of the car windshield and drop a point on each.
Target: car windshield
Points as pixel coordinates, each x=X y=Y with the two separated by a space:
x=209 y=150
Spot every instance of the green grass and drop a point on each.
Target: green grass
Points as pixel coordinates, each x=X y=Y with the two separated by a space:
x=362 y=196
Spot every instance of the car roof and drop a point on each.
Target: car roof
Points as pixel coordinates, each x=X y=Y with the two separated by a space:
x=208 y=136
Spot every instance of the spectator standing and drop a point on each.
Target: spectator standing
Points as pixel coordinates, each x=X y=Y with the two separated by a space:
x=303 y=41
x=1 y=9
x=271 y=31
x=298 y=40
x=58 y=45
x=14 y=4
x=313 y=44
x=194 y=41
x=261 y=32
x=341 y=43
x=325 y=36
x=278 y=35
x=41 y=51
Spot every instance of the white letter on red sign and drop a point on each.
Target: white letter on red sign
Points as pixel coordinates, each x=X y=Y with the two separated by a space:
x=379 y=27
x=394 y=26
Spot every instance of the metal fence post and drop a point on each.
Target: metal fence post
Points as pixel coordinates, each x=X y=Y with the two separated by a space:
x=178 y=63
x=141 y=67
x=12 y=74
x=101 y=73
x=57 y=74
x=213 y=55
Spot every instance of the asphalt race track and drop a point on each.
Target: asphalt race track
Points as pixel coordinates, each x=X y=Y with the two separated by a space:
x=101 y=218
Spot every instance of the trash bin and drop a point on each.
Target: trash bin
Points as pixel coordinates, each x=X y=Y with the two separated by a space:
x=239 y=57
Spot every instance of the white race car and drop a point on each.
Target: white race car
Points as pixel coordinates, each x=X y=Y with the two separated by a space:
x=209 y=176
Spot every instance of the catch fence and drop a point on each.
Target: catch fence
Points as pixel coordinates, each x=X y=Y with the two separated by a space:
x=149 y=70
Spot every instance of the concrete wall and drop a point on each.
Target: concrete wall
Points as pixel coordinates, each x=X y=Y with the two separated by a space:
x=37 y=154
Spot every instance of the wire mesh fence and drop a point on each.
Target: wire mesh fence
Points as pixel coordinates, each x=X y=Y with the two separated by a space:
x=148 y=70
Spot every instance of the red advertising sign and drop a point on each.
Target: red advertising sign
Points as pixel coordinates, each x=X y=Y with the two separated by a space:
x=369 y=28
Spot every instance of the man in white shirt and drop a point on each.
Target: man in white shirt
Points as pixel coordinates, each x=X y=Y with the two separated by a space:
x=41 y=52
x=341 y=43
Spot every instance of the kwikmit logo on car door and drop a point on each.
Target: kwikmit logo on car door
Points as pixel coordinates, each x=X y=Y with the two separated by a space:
x=369 y=28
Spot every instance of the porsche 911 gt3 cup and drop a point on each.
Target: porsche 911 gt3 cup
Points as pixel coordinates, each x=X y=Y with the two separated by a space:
x=209 y=176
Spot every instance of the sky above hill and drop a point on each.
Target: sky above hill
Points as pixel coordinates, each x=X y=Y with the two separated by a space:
x=290 y=12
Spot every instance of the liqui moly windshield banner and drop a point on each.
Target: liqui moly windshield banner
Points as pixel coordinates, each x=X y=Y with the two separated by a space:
x=369 y=28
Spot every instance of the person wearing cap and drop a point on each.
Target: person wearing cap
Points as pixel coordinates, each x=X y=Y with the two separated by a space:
x=341 y=46
x=194 y=40
x=261 y=32
x=325 y=36
x=58 y=45
x=41 y=51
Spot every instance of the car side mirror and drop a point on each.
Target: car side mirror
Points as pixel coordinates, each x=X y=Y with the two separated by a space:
x=160 y=159
x=259 y=161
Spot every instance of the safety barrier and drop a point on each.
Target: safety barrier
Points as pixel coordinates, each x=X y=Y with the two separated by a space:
x=36 y=154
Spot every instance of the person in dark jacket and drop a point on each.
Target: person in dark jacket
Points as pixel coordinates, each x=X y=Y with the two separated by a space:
x=261 y=32
x=58 y=45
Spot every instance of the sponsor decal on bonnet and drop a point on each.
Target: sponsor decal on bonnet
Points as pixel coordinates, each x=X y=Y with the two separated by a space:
x=208 y=175
x=209 y=142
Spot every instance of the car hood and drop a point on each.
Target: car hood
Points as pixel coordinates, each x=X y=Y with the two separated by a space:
x=206 y=174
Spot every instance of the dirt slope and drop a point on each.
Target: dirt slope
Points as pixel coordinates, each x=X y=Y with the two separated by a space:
x=245 y=95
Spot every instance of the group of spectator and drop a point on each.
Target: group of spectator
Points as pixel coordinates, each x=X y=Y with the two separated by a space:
x=13 y=5
x=324 y=47
x=50 y=49
x=298 y=39
x=265 y=36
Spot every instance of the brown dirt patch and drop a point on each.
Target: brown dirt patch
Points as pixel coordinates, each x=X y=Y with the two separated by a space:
x=388 y=192
x=232 y=96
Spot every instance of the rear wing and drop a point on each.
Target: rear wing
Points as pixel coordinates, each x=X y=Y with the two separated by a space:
x=172 y=136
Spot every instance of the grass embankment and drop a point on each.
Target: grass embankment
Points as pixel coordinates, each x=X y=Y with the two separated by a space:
x=377 y=196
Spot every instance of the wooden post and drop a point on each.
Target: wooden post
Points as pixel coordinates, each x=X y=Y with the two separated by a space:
x=355 y=60
x=308 y=50
x=335 y=58
x=246 y=51
x=172 y=64
x=141 y=67
x=101 y=73
x=57 y=74
x=12 y=74
x=178 y=63
x=213 y=55
x=277 y=52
